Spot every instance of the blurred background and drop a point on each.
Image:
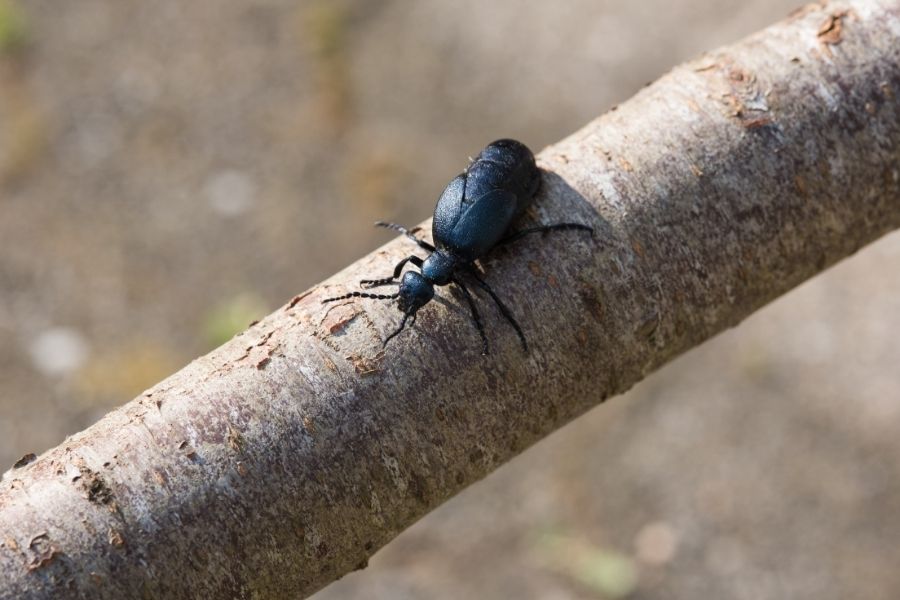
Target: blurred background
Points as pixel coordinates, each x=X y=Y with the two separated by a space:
x=172 y=170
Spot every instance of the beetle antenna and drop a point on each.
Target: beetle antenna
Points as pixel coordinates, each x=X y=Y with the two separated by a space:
x=399 y=329
x=362 y=295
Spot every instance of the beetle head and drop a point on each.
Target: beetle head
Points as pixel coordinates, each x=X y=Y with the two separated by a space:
x=415 y=292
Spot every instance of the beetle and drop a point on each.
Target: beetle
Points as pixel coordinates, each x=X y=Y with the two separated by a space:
x=472 y=217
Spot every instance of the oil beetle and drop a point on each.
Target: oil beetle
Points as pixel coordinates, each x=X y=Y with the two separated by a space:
x=471 y=218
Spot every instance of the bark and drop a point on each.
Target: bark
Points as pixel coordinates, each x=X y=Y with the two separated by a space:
x=285 y=458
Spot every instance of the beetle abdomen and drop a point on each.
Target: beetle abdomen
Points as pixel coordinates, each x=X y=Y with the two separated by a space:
x=477 y=207
x=505 y=164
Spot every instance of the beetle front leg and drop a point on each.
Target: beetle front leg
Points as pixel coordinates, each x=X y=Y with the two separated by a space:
x=370 y=283
x=409 y=234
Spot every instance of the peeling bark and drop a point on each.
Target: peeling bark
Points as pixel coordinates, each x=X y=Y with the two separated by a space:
x=285 y=458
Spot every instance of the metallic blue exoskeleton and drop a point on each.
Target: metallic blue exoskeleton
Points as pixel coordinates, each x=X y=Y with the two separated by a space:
x=472 y=217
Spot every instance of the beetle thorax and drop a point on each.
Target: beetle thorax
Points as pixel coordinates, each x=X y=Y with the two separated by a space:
x=439 y=267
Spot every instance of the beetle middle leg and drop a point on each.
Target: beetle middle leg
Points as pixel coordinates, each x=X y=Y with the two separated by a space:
x=503 y=308
x=421 y=243
x=370 y=283
x=543 y=229
x=475 y=316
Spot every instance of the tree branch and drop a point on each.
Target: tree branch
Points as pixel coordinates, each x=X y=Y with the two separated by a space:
x=285 y=458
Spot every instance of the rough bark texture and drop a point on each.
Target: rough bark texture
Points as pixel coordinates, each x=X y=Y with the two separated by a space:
x=285 y=458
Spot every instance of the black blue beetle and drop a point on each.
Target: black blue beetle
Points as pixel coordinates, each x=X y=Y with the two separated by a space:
x=472 y=216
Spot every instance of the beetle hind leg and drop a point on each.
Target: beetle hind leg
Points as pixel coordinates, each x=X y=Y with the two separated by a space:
x=544 y=229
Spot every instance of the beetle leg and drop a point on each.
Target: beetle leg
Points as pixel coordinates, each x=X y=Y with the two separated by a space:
x=370 y=283
x=475 y=316
x=543 y=229
x=422 y=243
x=373 y=283
x=503 y=309
x=399 y=329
